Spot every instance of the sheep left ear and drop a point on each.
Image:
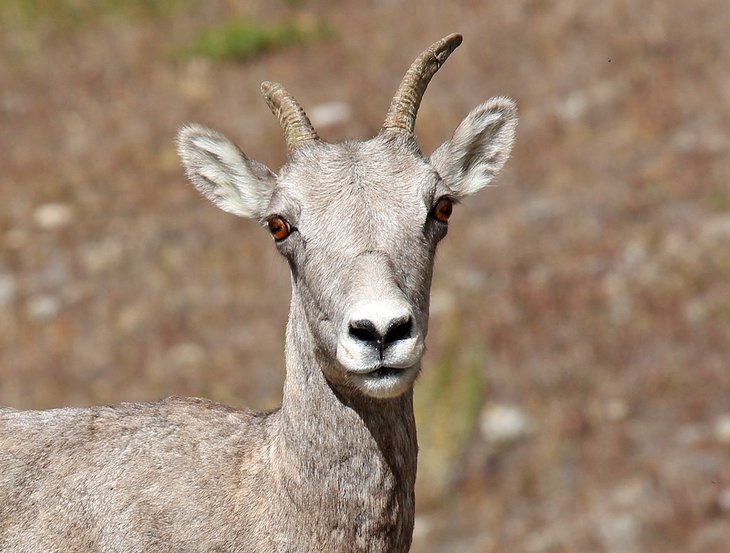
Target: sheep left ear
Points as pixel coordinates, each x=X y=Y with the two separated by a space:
x=479 y=147
x=223 y=173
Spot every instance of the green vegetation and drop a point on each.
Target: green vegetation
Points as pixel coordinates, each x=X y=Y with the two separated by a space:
x=69 y=14
x=235 y=40
x=448 y=400
x=241 y=40
x=720 y=200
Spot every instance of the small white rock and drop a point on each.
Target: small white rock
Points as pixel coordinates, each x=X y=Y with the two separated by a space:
x=443 y=301
x=723 y=500
x=695 y=311
x=619 y=533
x=616 y=410
x=51 y=216
x=631 y=492
x=721 y=428
x=186 y=354
x=329 y=114
x=715 y=229
x=421 y=527
x=690 y=434
x=43 y=308
x=502 y=423
x=102 y=255
x=7 y=289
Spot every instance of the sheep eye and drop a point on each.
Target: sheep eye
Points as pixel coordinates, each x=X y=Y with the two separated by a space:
x=442 y=210
x=279 y=228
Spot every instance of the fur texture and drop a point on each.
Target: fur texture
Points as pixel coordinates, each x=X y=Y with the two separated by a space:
x=333 y=469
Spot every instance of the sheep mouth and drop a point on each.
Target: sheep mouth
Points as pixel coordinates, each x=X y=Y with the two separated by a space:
x=384 y=372
x=386 y=382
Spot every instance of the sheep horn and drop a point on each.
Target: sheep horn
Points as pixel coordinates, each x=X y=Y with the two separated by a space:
x=401 y=116
x=295 y=123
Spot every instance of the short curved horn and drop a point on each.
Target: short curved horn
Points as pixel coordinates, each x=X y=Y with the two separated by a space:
x=295 y=123
x=404 y=106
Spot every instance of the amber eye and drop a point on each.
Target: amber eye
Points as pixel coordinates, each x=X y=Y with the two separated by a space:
x=442 y=210
x=279 y=228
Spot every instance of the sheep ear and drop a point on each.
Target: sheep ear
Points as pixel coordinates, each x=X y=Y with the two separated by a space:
x=479 y=148
x=223 y=173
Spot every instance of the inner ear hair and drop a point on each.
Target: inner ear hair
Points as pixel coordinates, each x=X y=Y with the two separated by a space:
x=223 y=173
x=479 y=148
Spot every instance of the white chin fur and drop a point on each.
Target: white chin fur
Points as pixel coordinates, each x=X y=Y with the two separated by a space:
x=388 y=377
x=391 y=385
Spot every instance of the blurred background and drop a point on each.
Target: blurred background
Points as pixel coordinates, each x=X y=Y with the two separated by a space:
x=576 y=393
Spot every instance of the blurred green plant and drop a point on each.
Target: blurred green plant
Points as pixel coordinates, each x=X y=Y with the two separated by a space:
x=720 y=200
x=448 y=400
x=241 y=40
x=69 y=14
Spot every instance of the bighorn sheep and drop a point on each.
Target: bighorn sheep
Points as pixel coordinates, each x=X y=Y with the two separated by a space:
x=333 y=469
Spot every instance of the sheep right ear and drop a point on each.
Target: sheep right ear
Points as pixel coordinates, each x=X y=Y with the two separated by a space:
x=223 y=173
x=479 y=148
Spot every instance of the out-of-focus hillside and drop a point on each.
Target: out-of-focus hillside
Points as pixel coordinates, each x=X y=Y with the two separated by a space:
x=576 y=393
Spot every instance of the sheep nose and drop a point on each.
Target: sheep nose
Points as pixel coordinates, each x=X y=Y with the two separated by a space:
x=383 y=331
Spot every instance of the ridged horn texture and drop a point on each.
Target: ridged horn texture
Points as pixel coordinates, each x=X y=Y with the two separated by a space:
x=295 y=123
x=404 y=106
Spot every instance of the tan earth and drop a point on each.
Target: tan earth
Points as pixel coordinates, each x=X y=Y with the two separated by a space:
x=576 y=392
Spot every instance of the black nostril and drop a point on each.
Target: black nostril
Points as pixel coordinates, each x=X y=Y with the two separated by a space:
x=364 y=330
x=399 y=330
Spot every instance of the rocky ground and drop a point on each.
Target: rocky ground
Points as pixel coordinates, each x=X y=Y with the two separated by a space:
x=576 y=393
